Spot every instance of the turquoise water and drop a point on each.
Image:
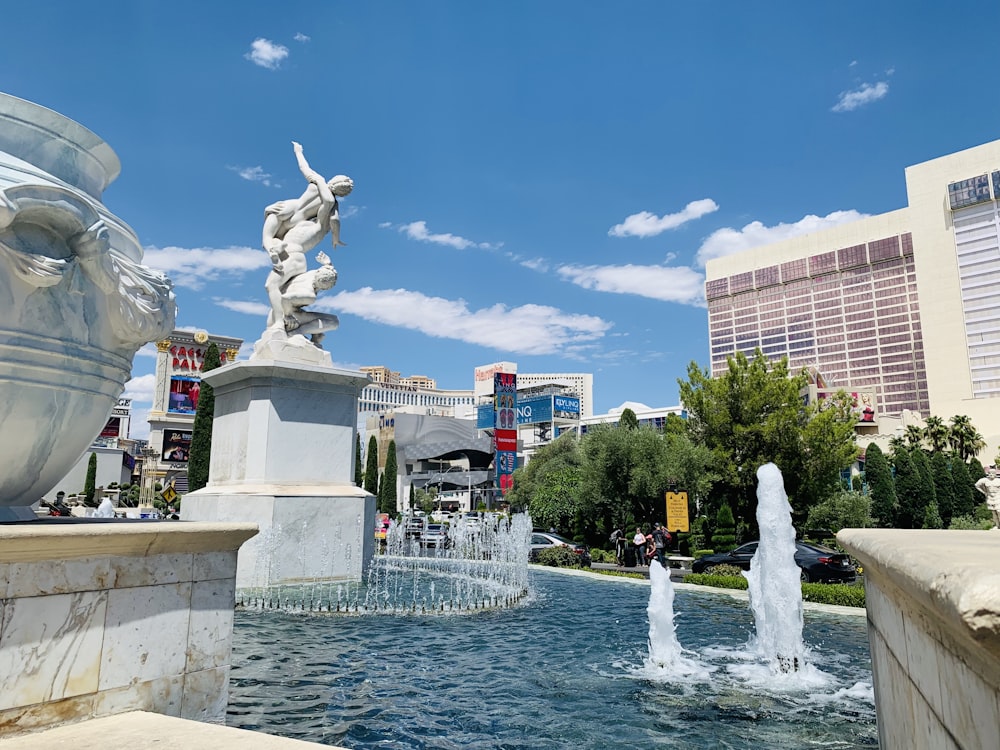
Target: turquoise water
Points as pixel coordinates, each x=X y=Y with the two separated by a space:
x=564 y=670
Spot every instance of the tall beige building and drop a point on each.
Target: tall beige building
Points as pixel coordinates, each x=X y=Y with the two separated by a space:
x=905 y=304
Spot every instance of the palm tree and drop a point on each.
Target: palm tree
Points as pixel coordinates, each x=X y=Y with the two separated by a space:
x=914 y=436
x=936 y=433
x=963 y=437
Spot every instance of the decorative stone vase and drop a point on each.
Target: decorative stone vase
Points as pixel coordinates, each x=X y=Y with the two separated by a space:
x=75 y=302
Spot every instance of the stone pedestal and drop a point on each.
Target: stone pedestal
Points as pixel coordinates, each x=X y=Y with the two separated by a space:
x=933 y=601
x=101 y=618
x=283 y=446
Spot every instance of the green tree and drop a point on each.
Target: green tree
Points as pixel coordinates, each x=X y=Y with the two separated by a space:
x=944 y=485
x=828 y=448
x=90 y=483
x=878 y=474
x=724 y=536
x=976 y=471
x=843 y=510
x=387 y=498
x=628 y=420
x=549 y=485
x=359 y=477
x=965 y=492
x=909 y=492
x=963 y=437
x=371 y=466
x=913 y=436
x=932 y=519
x=606 y=465
x=936 y=433
x=928 y=492
x=200 y=455
x=689 y=468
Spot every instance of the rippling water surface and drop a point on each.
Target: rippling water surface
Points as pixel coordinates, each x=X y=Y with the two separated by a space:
x=565 y=670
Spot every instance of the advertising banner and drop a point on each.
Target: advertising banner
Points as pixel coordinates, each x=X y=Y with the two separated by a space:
x=534 y=410
x=566 y=407
x=505 y=427
x=184 y=392
x=176 y=445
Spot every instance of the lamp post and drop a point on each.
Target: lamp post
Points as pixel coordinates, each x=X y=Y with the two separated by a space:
x=440 y=481
x=147 y=481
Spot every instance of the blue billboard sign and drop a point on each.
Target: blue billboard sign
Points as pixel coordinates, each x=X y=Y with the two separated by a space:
x=566 y=406
x=534 y=410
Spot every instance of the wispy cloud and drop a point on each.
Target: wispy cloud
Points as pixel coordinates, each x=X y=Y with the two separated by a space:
x=647 y=224
x=252 y=174
x=669 y=284
x=193 y=267
x=266 y=54
x=417 y=230
x=528 y=329
x=141 y=388
x=242 y=306
x=535 y=264
x=727 y=240
x=300 y=37
x=848 y=101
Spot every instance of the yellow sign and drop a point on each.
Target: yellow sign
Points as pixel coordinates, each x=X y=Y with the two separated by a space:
x=677 y=511
x=168 y=494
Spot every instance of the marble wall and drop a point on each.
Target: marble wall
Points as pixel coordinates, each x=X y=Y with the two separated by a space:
x=99 y=619
x=933 y=604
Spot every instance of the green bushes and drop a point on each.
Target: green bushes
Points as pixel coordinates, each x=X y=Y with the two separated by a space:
x=598 y=555
x=724 y=536
x=717 y=581
x=559 y=557
x=840 y=594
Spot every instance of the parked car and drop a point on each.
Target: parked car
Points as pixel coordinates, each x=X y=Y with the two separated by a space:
x=547 y=540
x=414 y=526
x=435 y=535
x=818 y=564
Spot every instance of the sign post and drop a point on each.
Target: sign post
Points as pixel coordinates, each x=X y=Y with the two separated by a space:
x=677 y=511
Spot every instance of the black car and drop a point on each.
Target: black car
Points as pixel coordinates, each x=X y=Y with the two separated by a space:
x=547 y=540
x=819 y=564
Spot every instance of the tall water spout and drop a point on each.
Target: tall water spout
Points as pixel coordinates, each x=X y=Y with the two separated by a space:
x=774 y=578
x=664 y=648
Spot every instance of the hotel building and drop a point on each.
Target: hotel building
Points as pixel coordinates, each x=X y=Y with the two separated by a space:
x=904 y=305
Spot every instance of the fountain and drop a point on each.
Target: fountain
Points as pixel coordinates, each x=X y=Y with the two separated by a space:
x=483 y=565
x=774 y=578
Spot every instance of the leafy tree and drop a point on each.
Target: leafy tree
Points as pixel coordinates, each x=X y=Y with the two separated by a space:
x=964 y=491
x=371 y=466
x=549 y=485
x=944 y=486
x=843 y=510
x=690 y=468
x=963 y=437
x=976 y=470
x=881 y=485
x=90 y=483
x=628 y=420
x=359 y=477
x=913 y=436
x=200 y=455
x=606 y=465
x=928 y=492
x=387 y=498
x=828 y=448
x=909 y=492
x=724 y=536
x=932 y=519
x=936 y=433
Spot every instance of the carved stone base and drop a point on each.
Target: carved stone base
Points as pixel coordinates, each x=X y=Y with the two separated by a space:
x=275 y=345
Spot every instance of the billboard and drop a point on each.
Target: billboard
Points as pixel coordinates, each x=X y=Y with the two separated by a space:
x=505 y=427
x=566 y=407
x=539 y=409
x=176 y=445
x=862 y=403
x=184 y=392
x=112 y=428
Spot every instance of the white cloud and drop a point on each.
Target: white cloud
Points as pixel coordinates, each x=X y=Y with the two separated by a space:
x=147 y=350
x=247 y=308
x=417 y=230
x=266 y=54
x=528 y=329
x=727 y=240
x=647 y=224
x=300 y=37
x=141 y=388
x=536 y=264
x=138 y=426
x=253 y=174
x=192 y=267
x=669 y=284
x=859 y=97
x=853 y=64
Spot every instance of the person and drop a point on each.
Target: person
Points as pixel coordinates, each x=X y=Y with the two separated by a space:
x=294 y=227
x=660 y=545
x=618 y=540
x=639 y=542
x=990 y=487
x=193 y=393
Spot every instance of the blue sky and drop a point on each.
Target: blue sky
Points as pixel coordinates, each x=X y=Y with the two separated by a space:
x=536 y=182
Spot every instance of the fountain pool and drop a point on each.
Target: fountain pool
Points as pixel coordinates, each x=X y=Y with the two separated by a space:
x=568 y=668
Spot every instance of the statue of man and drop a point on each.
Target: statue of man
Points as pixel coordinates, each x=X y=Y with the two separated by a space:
x=990 y=487
x=294 y=227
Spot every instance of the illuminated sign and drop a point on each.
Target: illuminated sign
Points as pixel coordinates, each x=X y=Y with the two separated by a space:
x=176 y=445
x=184 y=393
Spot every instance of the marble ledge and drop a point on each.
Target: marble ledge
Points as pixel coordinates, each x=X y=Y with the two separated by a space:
x=141 y=730
x=952 y=575
x=35 y=542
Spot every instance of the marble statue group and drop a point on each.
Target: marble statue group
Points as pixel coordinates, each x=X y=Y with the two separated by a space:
x=293 y=228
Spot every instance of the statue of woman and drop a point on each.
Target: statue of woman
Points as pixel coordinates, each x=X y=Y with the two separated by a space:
x=294 y=227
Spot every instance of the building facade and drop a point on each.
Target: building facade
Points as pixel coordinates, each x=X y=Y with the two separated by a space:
x=905 y=305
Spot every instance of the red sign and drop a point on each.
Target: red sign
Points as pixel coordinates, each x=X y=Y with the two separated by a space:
x=505 y=440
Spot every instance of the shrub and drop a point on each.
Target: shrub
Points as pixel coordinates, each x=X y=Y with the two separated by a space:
x=559 y=557
x=702 y=552
x=718 y=581
x=602 y=556
x=967 y=523
x=841 y=594
x=724 y=537
x=724 y=569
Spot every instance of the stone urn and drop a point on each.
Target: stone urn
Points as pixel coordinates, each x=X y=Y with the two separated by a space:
x=75 y=301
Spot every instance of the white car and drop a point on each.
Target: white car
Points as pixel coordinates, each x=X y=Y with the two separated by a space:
x=435 y=535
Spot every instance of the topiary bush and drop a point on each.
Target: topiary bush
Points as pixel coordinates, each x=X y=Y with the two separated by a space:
x=559 y=557
x=724 y=537
x=717 y=581
x=841 y=594
x=702 y=552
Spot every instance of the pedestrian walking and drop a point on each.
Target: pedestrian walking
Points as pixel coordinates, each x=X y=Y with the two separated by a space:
x=639 y=542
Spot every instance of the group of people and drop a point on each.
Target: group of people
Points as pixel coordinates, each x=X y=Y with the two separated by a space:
x=648 y=546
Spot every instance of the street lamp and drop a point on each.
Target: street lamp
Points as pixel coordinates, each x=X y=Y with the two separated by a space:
x=440 y=481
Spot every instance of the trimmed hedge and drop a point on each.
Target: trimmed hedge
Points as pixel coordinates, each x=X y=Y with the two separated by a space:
x=840 y=594
x=559 y=557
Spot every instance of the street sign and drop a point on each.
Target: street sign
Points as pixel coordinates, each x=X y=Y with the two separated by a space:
x=677 y=511
x=169 y=494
